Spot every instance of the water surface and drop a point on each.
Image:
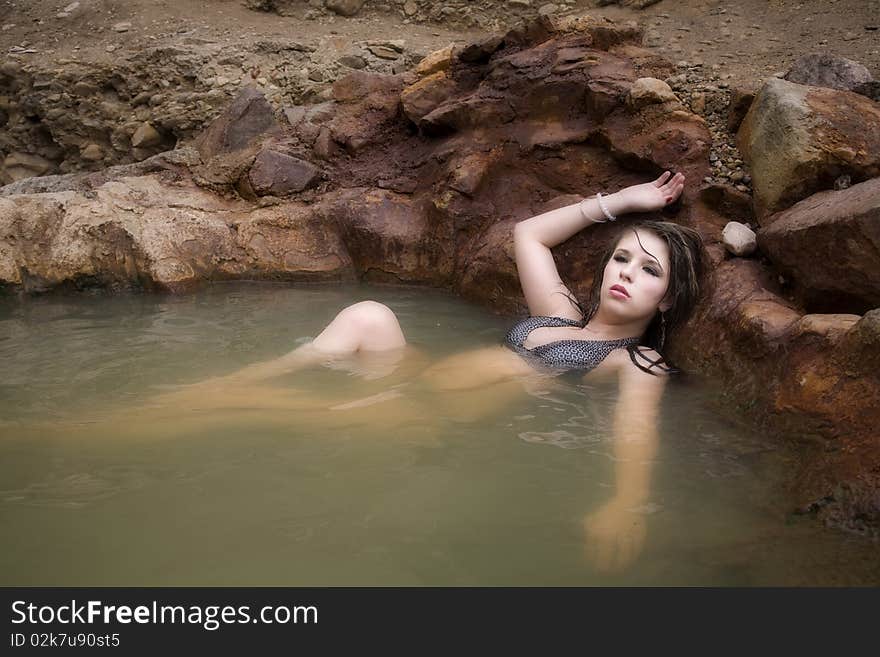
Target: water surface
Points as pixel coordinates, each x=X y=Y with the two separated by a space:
x=94 y=493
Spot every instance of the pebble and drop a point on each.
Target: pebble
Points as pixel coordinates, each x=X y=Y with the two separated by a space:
x=739 y=239
x=382 y=52
x=122 y=27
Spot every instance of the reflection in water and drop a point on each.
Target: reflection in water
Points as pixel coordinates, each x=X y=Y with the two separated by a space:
x=332 y=476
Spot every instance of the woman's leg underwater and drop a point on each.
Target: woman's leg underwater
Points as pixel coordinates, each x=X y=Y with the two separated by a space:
x=367 y=328
x=364 y=338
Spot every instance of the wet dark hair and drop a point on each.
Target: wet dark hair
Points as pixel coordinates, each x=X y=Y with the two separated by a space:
x=687 y=278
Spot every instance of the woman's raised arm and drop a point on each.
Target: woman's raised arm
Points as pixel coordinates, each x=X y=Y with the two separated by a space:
x=533 y=238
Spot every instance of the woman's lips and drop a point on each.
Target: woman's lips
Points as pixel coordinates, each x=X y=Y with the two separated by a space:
x=618 y=292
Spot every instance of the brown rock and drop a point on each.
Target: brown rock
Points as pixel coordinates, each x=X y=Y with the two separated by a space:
x=740 y=100
x=830 y=328
x=383 y=53
x=676 y=140
x=645 y=63
x=145 y=136
x=603 y=34
x=828 y=70
x=345 y=7
x=798 y=139
x=729 y=201
x=92 y=153
x=140 y=233
x=470 y=171
x=489 y=273
x=278 y=174
x=439 y=60
x=353 y=61
x=650 y=91
x=388 y=236
x=18 y=166
x=290 y=241
x=480 y=51
x=530 y=32
x=324 y=146
x=471 y=112
x=829 y=244
x=249 y=117
x=370 y=105
x=859 y=348
x=294 y=115
x=423 y=97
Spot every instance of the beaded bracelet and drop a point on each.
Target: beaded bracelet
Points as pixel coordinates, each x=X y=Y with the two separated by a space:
x=608 y=215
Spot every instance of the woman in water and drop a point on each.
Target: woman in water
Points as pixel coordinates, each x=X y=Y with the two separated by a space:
x=649 y=281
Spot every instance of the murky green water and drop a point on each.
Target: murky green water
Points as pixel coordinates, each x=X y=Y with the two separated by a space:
x=94 y=492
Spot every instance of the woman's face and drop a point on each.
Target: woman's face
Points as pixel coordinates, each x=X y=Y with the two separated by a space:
x=636 y=277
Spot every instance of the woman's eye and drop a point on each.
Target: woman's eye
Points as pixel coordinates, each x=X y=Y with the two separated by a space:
x=652 y=271
x=619 y=258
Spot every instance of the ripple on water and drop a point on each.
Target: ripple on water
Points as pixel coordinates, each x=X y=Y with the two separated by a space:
x=81 y=489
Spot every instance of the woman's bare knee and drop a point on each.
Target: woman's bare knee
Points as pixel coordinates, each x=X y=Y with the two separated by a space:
x=366 y=325
x=378 y=326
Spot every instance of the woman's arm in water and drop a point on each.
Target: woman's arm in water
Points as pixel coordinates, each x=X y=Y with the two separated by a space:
x=616 y=531
x=533 y=238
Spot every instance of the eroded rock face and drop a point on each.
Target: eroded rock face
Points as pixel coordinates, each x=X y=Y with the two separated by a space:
x=799 y=139
x=390 y=236
x=142 y=233
x=81 y=115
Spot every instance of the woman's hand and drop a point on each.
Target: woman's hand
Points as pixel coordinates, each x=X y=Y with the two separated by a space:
x=652 y=196
x=614 y=536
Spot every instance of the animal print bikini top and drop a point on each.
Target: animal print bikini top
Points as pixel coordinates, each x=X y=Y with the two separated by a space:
x=583 y=355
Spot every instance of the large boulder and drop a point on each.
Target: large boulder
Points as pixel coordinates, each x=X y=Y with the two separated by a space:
x=829 y=245
x=799 y=139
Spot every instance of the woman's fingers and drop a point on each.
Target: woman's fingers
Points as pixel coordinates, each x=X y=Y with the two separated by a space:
x=662 y=179
x=677 y=179
x=673 y=188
